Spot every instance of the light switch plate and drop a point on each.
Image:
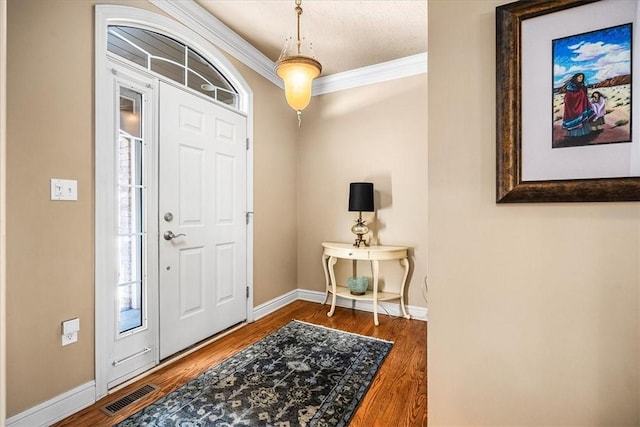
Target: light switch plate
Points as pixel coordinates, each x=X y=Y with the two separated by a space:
x=64 y=189
x=70 y=326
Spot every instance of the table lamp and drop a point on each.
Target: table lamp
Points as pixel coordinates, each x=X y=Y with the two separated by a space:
x=360 y=200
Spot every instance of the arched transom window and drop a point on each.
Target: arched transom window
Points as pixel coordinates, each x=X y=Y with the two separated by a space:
x=171 y=59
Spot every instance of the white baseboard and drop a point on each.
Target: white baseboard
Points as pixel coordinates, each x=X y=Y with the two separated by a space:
x=83 y=396
x=57 y=408
x=275 y=304
x=390 y=308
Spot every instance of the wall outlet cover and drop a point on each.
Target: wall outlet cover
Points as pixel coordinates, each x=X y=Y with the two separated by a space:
x=64 y=189
x=69 y=338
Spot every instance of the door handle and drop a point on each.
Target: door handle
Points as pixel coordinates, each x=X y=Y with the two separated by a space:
x=168 y=235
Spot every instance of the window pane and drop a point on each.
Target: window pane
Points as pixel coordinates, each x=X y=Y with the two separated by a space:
x=144 y=43
x=130 y=288
x=130 y=260
x=202 y=86
x=130 y=112
x=166 y=57
x=168 y=69
x=117 y=43
x=202 y=67
x=228 y=98
x=130 y=161
x=130 y=312
x=130 y=200
x=196 y=83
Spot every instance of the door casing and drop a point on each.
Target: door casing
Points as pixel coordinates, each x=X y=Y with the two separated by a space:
x=106 y=15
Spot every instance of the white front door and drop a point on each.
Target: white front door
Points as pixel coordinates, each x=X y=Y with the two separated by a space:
x=202 y=226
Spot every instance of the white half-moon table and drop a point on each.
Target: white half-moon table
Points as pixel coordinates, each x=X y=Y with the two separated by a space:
x=333 y=251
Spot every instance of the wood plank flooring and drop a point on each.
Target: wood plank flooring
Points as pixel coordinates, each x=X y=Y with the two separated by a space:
x=397 y=397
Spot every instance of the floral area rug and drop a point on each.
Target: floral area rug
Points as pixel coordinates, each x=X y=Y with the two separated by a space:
x=301 y=375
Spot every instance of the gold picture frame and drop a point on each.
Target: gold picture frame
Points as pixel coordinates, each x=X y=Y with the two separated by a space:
x=510 y=186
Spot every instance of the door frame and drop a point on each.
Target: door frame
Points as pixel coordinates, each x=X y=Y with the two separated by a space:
x=106 y=15
x=3 y=204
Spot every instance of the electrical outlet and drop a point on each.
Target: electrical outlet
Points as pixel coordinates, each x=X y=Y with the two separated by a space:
x=69 y=338
x=70 y=330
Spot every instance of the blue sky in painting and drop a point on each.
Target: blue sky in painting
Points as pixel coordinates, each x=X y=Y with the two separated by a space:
x=600 y=55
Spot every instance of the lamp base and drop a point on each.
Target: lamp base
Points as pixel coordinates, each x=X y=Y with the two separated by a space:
x=360 y=229
x=360 y=241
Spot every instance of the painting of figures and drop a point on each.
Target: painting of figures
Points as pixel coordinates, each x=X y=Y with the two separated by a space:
x=592 y=88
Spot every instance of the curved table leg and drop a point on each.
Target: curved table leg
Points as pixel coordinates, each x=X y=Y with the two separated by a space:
x=327 y=283
x=374 y=268
x=332 y=278
x=405 y=263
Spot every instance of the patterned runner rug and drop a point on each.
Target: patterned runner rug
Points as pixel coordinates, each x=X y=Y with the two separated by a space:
x=301 y=375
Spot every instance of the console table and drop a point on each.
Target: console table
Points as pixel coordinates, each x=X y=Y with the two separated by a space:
x=334 y=251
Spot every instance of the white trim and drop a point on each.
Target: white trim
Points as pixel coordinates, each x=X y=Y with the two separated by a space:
x=56 y=409
x=179 y=356
x=106 y=15
x=275 y=304
x=204 y=23
x=194 y=16
x=390 y=308
x=124 y=15
x=396 y=69
x=3 y=205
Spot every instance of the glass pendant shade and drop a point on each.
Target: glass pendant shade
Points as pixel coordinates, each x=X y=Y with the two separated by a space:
x=297 y=69
x=298 y=73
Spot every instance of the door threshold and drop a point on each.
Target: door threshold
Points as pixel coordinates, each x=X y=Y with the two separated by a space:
x=174 y=358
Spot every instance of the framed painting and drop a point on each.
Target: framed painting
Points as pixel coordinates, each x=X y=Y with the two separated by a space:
x=565 y=122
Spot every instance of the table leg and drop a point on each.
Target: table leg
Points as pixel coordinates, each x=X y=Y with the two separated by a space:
x=374 y=268
x=332 y=279
x=405 y=263
x=326 y=278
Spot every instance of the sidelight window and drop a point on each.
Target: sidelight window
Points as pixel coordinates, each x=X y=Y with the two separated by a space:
x=130 y=286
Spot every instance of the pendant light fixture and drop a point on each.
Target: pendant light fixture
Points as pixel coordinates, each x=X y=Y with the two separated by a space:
x=297 y=70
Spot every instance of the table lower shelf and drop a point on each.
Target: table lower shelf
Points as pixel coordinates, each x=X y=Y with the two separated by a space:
x=368 y=296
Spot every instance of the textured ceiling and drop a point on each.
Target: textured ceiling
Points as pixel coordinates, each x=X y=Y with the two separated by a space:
x=346 y=34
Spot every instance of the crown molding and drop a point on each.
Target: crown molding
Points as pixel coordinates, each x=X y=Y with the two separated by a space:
x=385 y=71
x=194 y=16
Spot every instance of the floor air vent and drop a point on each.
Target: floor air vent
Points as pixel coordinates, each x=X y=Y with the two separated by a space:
x=114 y=407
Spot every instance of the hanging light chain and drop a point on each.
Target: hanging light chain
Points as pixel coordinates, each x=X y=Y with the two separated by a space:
x=298 y=10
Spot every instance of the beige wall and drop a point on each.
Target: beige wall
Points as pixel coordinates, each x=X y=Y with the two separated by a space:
x=50 y=244
x=274 y=194
x=533 y=308
x=375 y=133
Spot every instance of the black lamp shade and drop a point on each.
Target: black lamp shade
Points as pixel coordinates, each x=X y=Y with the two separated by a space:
x=361 y=197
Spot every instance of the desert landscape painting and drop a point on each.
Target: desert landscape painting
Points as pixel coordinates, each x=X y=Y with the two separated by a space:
x=592 y=88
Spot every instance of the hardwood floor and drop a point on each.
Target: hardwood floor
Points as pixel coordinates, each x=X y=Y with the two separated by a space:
x=397 y=397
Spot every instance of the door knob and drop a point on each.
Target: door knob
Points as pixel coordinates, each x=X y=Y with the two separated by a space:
x=168 y=235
